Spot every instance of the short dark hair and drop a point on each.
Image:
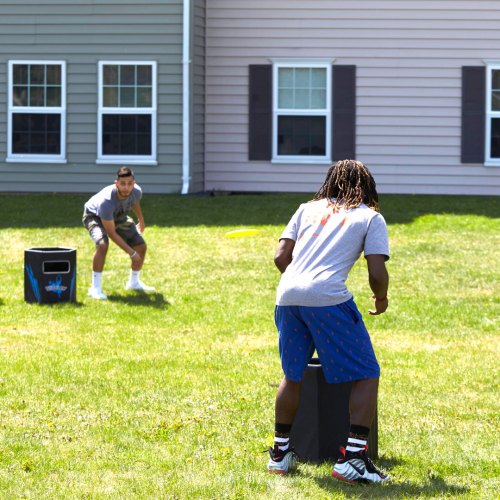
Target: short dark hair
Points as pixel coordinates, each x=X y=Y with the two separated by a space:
x=124 y=172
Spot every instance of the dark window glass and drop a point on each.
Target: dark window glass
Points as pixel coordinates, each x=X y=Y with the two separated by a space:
x=20 y=74
x=20 y=96
x=144 y=97
x=126 y=135
x=53 y=96
x=110 y=75
x=127 y=97
x=110 y=97
x=302 y=135
x=36 y=133
x=144 y=75
x=53 y=74
x=495 y=137
x=37 y=74
x=127 y=75
x=37 y=96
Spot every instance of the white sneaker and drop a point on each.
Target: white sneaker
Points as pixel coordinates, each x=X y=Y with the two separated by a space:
x=139 y=287
x=282 y=463
x=96 y=293
x=357 y=468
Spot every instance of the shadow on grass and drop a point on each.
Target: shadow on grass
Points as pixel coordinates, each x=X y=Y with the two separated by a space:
x=1 y=302
x=156 y=300
x=50 y=211
x=437 y=487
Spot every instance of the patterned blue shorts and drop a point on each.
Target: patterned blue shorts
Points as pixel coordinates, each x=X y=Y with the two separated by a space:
x=336 y=332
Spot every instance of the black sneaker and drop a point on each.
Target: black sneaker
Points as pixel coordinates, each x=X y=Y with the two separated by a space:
x=357 y=468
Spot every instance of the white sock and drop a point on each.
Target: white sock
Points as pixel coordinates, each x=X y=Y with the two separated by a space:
x=96 y=279
x=134 y=277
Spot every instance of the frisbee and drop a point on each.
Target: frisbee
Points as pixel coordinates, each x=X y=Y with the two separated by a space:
x=242 y=232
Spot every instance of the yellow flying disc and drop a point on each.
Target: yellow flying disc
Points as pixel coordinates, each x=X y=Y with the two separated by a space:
x=242 y=232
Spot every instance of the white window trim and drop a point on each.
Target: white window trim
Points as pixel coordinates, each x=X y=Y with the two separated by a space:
x=303 y=63
x=35 y=158
x=490 y=66
x=129 y=159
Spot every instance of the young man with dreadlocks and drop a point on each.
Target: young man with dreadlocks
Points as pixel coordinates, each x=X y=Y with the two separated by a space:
x=314 y=310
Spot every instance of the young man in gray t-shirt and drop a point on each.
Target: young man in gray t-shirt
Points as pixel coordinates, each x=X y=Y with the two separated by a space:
x=105 y=214
x=315 y=311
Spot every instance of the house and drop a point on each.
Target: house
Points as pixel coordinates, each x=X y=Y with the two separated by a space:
x=261 y=96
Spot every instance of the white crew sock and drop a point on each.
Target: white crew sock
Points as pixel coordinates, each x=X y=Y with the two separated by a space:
x=96 y=279
x=134 y=277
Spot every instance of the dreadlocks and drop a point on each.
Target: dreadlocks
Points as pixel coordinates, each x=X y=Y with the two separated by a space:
x=350 y=183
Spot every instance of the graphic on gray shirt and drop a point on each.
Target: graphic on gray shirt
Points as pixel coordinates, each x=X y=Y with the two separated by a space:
x=106 y=204
x=327 y=246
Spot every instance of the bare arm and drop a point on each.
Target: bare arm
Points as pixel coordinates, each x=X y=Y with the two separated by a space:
x=283 y=255
x=379 y=282
x=109 y=225
x=137 y=210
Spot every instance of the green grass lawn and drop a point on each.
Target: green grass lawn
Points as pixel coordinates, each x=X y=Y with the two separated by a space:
x=170 y=395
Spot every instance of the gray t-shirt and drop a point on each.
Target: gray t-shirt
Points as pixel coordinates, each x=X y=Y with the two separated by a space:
x=327 y=245
x=106 y=204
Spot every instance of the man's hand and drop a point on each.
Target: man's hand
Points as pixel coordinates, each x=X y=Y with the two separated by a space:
x=136 y=258
x=141 y=226
x=380 y=306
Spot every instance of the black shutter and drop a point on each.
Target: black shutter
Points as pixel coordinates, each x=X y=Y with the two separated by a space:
x=473 y=113
x=343 y=113
x=260 y=129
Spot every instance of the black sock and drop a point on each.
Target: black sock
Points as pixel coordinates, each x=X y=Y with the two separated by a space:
x=358 y=438
x=281 y=436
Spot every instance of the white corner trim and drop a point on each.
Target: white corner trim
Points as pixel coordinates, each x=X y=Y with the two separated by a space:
x=186 y=21
x=125 y=161
x=34 y=160
x=492 y=164
x=308 y=161
x=302 y=60
x=492 y=62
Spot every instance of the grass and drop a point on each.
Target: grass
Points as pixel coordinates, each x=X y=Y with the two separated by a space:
x=170 y=395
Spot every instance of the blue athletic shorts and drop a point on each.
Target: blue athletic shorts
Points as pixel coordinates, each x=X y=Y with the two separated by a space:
x=336 y=332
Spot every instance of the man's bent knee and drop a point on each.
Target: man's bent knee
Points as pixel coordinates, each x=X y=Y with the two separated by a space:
x=102 y=247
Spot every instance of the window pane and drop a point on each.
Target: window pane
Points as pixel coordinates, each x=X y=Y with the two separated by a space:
x=318 y=78
x=285 y=98
x=110 y=74
x=110 y=97
x=127 y=97
x=318 y=99
x=285 y=77
x=495 y=83
x=302 y=135
x=20 y=74
x=145 y=75
x=37 y=74
x=495 y=101
x=37 y=96
x=302 y=99
x=111 y=123
x=20 y=96
x=127 y=75
x=126 y=135
x=302 y=78
x=53 y=74
x=495 y=137
x=36 y=133
x=53 y=96
x=144 y=97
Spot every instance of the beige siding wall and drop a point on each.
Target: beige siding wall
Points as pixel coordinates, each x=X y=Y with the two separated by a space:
x=82 y=32
x=408 y=55
x=198 y=97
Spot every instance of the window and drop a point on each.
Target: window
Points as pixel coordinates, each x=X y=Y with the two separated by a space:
x=301 y=112
x=127 y=113
x=493 y=114
x=37 y=112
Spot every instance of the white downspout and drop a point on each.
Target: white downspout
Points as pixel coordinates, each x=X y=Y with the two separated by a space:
x=185 y=96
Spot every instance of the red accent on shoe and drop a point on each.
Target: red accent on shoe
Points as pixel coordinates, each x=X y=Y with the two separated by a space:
x=342 y=450
x=283 y=473
x=336 y=475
